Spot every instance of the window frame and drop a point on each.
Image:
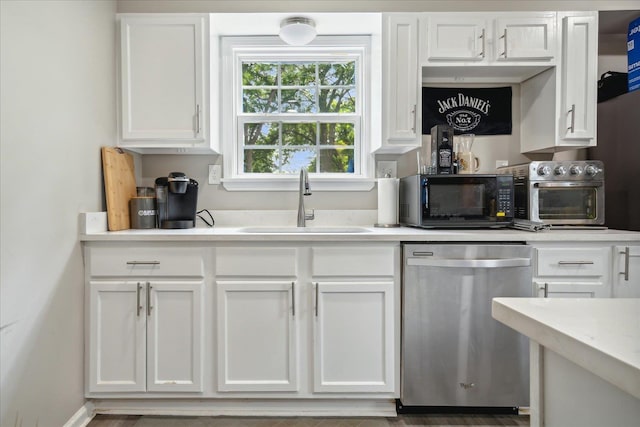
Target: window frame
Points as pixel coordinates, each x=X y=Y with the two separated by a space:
x=236 y=50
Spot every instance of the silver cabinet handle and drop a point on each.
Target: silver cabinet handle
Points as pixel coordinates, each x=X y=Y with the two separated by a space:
x=504 y=36
x=413 y=112
x=417 y=253
x=470 y=263
x=149 y=299
x=482 y=36
x=143 y=262
x=293 y=299
x=138 y=306
x=627 y=255
x=197 y=119
x=545 y=288
x=316 y=309
x=575 y=262
x=572 y=111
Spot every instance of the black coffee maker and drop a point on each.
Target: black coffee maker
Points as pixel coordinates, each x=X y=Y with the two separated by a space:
x=176 y=197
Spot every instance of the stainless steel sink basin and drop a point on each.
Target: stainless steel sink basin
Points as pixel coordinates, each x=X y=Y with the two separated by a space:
x=306 y=230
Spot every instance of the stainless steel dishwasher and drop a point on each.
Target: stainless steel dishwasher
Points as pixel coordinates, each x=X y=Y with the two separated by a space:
x=455 y=356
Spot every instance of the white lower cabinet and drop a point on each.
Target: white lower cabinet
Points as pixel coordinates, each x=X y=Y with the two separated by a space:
x=307 y=321
x=233 y=321
x=353 y=337
x=257 y=338
x=626 y=271
x=572 y=271
x=145 y=336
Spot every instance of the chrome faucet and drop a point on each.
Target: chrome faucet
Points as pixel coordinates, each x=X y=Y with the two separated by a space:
x=305 y=190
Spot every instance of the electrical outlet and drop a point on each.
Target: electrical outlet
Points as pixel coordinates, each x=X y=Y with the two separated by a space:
x=501 y=163
x=384 y=167
x=215 y=172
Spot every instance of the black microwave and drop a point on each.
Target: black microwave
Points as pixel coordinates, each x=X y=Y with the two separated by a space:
x=456 y=201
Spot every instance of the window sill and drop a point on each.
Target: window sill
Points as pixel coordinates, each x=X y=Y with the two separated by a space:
x=293 y=184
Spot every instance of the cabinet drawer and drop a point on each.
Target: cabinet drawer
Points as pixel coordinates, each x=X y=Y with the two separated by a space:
x=353 y=261
x=145 y=261
x=572 y=289
x=256 y=261
x=572 y=261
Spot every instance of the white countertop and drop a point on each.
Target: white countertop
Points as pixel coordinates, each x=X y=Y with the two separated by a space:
x=602 y=335
x=370 y=234
x=233 y=225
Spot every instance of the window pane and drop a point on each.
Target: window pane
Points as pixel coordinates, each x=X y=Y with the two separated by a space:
x=337 y=100
x=298 y=101
x=299 y=134
x=337 y=74
x=298 y=74
x=259 y=74
x=260 y=161
x=261 y=133
x=259 y=100
x=336 y=160
x=295 y=159
x=337 y=134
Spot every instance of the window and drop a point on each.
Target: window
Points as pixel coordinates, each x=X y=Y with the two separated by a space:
x=296 y=107
x=299 y=115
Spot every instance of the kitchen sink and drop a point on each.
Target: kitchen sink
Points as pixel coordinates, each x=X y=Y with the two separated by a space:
x=306 y=230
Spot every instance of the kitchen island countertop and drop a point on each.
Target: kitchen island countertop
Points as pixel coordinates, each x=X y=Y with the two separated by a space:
x=601 y=335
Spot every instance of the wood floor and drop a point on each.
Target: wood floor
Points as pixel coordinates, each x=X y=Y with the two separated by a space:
x=400 y=421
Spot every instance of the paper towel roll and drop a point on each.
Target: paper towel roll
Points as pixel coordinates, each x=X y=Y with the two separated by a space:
x=387 y=201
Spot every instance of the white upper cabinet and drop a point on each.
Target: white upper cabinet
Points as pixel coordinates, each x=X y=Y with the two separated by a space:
x=163 y=83
x=456 y=38
x=401 y=90
x=579 y=78
x=525 y=38
x=490 y=38
x=559 y=104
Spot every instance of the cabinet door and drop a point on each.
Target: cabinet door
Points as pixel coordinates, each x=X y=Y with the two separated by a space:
x=402 y=109
x=572 y=289
x=579 y=78
x=116 y=336
x=525 y=38
x=626 y=272
x=163 y=66
x=458 y=38
x=174 y=336
x=257 y=336
x=353 y=337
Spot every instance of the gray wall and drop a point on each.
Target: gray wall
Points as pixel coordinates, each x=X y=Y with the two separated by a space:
x=57 y=109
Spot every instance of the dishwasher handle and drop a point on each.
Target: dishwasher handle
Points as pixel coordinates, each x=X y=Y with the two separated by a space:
x=469 y=263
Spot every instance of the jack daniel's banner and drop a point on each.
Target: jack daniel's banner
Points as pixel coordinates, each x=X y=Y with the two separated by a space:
x=481 y=111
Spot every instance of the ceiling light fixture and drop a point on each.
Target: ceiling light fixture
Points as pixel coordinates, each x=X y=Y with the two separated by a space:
x=297 y=31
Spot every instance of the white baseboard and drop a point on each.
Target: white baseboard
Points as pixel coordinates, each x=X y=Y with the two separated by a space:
x=82 y=417
x=244 y=407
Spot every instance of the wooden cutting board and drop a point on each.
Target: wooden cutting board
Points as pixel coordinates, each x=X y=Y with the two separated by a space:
x=119 y=186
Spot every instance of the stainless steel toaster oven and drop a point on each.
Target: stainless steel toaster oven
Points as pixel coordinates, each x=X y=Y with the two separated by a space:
x=559 y=192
